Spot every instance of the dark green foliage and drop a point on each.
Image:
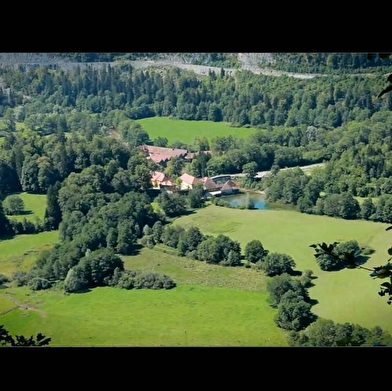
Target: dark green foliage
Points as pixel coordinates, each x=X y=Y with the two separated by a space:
x=99 y=265
x=53 y=214
x=294 y=313
x=147 y=241
x=336 y=256
x=26 y=226
x=275 y=264
x=233 y=259
x=254 y=251
x=53 y=265
x=306 y=278
x=75 y=281
x=171 y=235
x=196 y=196
x=20 y=278
x=3 y=279
x=189 y=240
x=9 y=179
x=19 y=340
x=157 y=230
x=131 y=279
x=172 y=204
x=347 y=255
x=279 y=285
x=37 y=283
x=324 y=332
x=219 y=250
x=126 y=237
x=5 y=224
x=209 y=251
x=153 y=281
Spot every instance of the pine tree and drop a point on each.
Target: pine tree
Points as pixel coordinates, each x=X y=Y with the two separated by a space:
x=53 y=214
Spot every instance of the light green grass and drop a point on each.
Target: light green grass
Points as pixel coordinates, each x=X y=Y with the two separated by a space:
x=188 y=271
x=188 y=315
x=20 y=252
x=187 y=131
x=35 y=205
x=212 y=305
x=344 y=296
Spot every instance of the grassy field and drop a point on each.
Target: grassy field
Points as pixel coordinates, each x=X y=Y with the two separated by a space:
x=187 y=131
x=20 y=252
x=189 y=315
x=211 y=305
x=35 y=205
x=344 y=296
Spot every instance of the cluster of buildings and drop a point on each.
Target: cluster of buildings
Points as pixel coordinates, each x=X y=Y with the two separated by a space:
x=215 y=186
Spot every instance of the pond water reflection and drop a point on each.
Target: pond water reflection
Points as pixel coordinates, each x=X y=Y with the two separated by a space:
x=258 y=201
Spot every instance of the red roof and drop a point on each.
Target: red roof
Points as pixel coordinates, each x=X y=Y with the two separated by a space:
x=190 y=179
x=160 y=154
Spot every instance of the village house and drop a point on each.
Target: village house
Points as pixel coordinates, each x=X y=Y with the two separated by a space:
x=160 y=180
x=188 y=181
x=229 y=187
x=209 y=185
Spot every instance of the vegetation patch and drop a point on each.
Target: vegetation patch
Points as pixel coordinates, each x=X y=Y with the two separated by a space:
x=187 y=131
x=20 y=252
x=34 y=207
x=189 y=315
x=292 y=233
x=188 y=271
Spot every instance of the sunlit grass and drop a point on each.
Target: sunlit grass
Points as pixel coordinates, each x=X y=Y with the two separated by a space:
x=187 y=131
x=344 y=296
x=34 y=206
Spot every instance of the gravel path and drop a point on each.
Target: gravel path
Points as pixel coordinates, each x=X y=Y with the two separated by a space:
x=249 y=61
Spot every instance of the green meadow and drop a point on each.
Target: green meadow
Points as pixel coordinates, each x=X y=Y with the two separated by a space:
x=187 y=131
x=188 y=315
x=35 y=205
x=344 y=296
x=20 y=252
x=211 y=305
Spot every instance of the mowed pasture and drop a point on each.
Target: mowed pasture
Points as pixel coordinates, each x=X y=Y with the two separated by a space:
x=187 y=131
x=349 y=295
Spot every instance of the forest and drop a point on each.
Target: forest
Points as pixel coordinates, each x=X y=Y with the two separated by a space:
x=56 y=129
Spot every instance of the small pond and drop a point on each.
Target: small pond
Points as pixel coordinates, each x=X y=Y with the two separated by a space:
x=259 y=201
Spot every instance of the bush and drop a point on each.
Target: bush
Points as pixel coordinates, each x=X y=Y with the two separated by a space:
x=20 y=278
x=3 y=279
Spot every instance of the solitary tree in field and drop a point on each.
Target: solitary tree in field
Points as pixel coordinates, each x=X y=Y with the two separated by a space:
x=13 y=205
x=349 y=259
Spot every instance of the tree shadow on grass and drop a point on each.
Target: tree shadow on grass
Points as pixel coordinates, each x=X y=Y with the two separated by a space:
x=136 y=249
x=25 y=213
x=6 y=237
x=85 y=290
x=313 y=302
